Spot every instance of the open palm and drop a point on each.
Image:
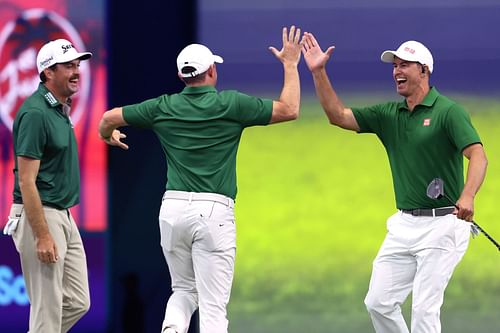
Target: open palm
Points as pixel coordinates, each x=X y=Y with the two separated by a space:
x=315 y=58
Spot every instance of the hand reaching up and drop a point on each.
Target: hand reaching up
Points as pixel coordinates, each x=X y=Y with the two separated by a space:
x=290 y=52
x=315 y=58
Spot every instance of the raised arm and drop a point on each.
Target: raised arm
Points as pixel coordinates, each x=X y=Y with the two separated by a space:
x=288 y=105
x=316 y=61
x=108 y=125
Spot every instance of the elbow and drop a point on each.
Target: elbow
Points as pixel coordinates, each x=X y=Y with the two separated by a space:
x=481 y=155
x=284 y=112
x=293 y=111
x=294 y=114
x=25 y=184
x=22 y=184
x=106 y=120
x=111 y=119
x=290 y=113
x=335 y=121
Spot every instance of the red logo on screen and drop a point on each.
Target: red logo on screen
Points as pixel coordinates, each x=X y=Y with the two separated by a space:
x=20 y=41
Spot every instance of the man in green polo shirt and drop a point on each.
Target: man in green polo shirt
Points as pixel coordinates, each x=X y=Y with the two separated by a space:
x=200 y=130
x=426 y=136
x=47 y=184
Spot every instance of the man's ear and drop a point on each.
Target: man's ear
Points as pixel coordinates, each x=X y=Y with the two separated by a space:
x=49 y=74
x=211 y=70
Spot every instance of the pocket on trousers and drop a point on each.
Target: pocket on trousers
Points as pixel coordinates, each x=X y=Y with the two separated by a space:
x=220 y=235
x=216 y=227
x=462 y=234
x=390 y=221
x=219 y=229
x=167 y=239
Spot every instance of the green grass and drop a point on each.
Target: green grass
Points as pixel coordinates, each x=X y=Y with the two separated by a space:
x=311 y=211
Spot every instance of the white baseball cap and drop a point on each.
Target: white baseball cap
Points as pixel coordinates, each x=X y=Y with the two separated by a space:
x=57 y=52
x=197 y=56
x=410 y=51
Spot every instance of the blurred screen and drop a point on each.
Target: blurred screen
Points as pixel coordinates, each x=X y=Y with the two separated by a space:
x=23 y=30
x=24 y=27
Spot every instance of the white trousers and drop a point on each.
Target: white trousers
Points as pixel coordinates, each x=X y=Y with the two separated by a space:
x=198 y=238
x=418 y=255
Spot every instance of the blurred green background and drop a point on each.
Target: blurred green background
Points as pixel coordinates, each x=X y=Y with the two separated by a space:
x=311 y=210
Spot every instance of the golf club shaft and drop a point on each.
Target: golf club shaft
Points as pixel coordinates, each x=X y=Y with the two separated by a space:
x=487 y=236
x=480 y=229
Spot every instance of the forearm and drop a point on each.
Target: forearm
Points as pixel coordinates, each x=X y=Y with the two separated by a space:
x=109 y=122
x=332 y=105
x=476 y=172
x=290 y=95
x=34 y=210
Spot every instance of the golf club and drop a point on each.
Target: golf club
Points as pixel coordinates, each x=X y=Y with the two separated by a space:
x=435 y=190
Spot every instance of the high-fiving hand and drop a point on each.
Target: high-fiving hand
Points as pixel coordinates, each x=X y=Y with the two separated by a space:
x=290 y=52
x=315 y=58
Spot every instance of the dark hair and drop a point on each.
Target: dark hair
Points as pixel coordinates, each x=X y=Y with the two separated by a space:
x=42 y=75
x=424 y=69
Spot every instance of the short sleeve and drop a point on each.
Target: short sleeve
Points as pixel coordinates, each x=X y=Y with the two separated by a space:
x=141 y=114
x=369 y=118
x=459 y=127
x=254 y=111
x=31 y=134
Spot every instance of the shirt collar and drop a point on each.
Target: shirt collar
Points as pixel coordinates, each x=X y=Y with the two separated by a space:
x=428 y=100
x=190 y=90
x=49 y=97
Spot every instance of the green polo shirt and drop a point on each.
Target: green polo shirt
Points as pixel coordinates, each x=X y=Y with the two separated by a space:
x=421 y=145
x=44 y=132
x=199 y=130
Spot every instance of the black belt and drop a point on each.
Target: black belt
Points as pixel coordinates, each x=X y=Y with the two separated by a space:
x=20 y=201
x=429 y=211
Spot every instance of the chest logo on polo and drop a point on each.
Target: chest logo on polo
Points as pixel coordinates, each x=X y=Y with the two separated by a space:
x=427 y=122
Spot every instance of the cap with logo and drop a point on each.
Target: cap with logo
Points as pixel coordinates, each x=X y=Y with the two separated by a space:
x=410 y=51
x=57 y=52
x=198 y=57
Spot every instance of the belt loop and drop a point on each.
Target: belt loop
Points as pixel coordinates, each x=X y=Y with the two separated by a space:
x=190 y=198
x=433 y=212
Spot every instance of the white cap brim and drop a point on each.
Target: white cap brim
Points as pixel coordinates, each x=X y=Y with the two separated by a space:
x=71 y=57
x=218 y=59
x=388 y=56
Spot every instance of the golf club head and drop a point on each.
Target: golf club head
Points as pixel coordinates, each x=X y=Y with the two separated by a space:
x=435 y=189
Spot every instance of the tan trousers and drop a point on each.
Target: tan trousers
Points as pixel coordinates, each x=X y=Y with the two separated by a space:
x=59 y=293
